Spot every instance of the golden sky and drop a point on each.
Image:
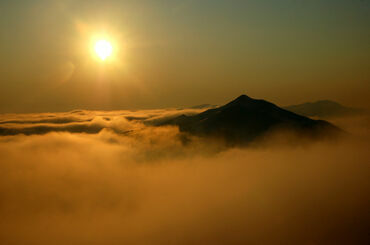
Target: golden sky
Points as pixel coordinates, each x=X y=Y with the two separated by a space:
x=170 y=53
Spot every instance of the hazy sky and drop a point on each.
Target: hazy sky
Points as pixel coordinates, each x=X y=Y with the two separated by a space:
x=182 y=52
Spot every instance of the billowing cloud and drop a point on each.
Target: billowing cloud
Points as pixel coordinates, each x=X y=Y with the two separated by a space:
x=132 y=183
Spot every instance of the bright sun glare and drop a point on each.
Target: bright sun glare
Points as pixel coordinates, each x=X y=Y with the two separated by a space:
x=103 y=49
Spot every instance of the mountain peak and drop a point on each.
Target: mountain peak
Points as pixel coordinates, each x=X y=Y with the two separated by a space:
x=246 y=101
x=241 y=100
x=243 y=97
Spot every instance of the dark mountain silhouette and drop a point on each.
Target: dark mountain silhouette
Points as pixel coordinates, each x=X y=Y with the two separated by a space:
x=245 y=119
x=323 y=108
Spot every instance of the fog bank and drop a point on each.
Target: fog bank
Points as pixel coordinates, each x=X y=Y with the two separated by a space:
x=135 y=184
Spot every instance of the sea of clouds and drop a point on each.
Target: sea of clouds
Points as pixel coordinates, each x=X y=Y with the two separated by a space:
x=111 y=177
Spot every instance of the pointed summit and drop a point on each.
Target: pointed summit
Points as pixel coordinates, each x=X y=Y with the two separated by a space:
x=248 y=102
x=242 y=99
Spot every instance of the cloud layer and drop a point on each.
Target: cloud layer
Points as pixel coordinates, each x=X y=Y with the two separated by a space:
x=89 y=177
x=80 y=121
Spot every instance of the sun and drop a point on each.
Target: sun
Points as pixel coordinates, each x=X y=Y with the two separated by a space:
x=103 y=49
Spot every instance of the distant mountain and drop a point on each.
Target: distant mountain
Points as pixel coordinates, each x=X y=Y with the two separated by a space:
x=203 y=106
x=245 y=119
x=323 y=108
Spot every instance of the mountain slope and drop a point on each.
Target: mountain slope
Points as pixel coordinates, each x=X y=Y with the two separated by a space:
x=203 y=106
x=323 y=108
x=245 y=119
